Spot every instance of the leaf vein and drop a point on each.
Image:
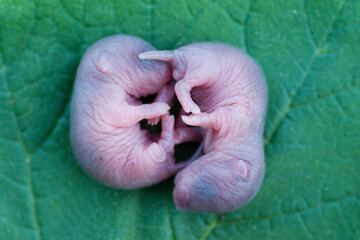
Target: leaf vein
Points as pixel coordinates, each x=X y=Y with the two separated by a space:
x=287 y=108
x=69 y=14
x=246 y=24
x=308 y=31
x=11 y=181
x=325 y=96
x=307 y=231
x=189 y=28
x=170 y=225
x=27 y=161
x=213 y=224
x=268 y=218
x=53 y=127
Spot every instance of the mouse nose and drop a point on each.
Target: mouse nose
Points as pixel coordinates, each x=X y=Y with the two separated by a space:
x=181 y=197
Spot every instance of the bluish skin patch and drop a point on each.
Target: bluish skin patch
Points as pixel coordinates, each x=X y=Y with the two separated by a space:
x=204 y=186
x=205 y=189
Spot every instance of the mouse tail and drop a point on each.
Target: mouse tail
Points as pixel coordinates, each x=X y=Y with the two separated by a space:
x=197 y=153
x=165 y=55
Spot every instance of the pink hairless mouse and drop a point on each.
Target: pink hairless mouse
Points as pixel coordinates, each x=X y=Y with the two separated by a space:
x=226 y=93
x=105 y=132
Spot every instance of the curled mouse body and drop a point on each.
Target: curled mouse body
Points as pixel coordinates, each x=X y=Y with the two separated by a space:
x=106 y=109
x=225 y=90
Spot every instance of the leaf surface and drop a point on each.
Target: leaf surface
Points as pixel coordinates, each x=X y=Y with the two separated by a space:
x=310 y=54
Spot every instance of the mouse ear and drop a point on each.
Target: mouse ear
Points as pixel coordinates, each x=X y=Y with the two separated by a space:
x=103 y=62
x=165 y=55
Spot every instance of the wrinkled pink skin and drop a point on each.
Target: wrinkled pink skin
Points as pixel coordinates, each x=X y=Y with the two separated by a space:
x=105 y=134
x=229 y=99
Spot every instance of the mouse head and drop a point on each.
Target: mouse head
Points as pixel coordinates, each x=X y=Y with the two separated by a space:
x=217 y=183
x=115 y=60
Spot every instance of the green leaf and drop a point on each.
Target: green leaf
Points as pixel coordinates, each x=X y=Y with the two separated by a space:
x=309 y=51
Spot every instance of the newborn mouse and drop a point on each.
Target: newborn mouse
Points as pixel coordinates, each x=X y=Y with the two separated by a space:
x=105 y=133
x=226 y=92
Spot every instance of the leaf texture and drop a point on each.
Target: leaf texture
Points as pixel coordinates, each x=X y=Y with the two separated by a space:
x=310 y=54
